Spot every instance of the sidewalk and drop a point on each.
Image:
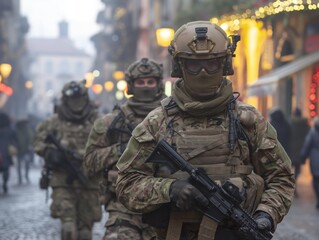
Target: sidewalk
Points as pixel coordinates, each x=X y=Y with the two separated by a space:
x=24 y=214
x=302 y=221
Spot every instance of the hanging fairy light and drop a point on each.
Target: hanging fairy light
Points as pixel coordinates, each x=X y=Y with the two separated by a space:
x=313 y=98
x=233 y=21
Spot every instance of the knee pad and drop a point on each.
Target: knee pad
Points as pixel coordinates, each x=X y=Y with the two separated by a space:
x=68 y=231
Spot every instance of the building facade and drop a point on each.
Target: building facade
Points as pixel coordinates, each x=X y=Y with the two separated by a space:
x=53 y=63
x=13 y=29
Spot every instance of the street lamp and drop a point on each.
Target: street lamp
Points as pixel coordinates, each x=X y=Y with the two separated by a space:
x=97 y=88
x=28 y=84
x=108 y=85
x=164 y=36
x=5 y=70
x=118 y=75
x=89 y=77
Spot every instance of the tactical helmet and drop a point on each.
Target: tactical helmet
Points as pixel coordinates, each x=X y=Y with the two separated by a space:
x=202 y=40
x=142 y=69
x=75 y=95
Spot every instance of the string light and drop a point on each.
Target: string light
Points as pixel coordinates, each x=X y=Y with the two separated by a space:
x=234 y=21
x=313 y=100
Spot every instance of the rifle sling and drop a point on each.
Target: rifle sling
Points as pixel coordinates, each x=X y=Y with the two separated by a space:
x=207 y=227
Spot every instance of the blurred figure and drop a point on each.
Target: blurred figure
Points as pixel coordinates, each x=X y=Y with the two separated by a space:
x=8 y=148
x=282 y=126
x=310 y=150
x=74 y=199
x=299 y=130
x=108 y=140
x=25 y=153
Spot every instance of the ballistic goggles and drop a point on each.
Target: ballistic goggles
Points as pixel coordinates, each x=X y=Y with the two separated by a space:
x=211 y=66
x=74 y=90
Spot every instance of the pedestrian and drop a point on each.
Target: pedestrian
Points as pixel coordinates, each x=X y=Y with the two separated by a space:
x=310 y=149
x=228 y=140
x=299 y=129
x=73 y=197
x=282 y=127
x=8 y=148
x=108 y=140
x=25 y=151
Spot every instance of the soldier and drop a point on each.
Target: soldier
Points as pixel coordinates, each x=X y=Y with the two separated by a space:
x=74 y=202
x=108 y=140
x=212 y=130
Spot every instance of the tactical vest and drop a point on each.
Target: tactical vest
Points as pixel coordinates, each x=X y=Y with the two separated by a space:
x=120 y=130
x=221 y=148
x=204 y=142
x=75 y=135
x=72 y=136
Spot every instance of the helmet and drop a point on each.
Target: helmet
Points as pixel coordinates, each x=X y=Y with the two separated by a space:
x=202 y=40
x=75 y=96
x=142 y=69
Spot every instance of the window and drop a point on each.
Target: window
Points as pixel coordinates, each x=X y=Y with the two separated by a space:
x=64 y=67
x=49 y=67
x=79 y=68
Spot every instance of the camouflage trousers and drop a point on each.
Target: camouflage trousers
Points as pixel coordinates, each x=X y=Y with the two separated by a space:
x=128 y=233
x=77 y=208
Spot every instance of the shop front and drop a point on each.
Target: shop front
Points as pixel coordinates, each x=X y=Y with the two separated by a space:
x=287 y=87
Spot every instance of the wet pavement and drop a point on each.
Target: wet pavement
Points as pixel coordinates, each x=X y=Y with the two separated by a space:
x=24 y=214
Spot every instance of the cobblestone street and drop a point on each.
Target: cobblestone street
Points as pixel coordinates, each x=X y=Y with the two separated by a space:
x=24 y=215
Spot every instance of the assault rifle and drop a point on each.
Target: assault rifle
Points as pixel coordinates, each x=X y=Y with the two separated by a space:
x=224 y=202
x=72 y=161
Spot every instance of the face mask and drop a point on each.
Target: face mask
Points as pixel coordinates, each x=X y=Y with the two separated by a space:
x=203 y=85
x=76 y=104
x=144 y=94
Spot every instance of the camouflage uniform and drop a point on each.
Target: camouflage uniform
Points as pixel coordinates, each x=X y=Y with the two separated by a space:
x=200 y=131
x=77 y=207
x=106 y=143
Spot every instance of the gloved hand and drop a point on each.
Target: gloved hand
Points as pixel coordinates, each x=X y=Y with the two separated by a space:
x=263 y=220
x=264 y=223
x=53 y=158
x=185 y=195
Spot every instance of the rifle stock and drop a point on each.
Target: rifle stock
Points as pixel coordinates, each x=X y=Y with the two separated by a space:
x=224 y=202
x=71 y=161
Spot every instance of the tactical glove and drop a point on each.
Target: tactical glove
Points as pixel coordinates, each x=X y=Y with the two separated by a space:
x=185 y=196
x=264 y=223
x=263 y=220
x=53 y=158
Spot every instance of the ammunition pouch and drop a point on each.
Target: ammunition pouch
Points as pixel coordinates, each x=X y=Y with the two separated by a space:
x=44 y=181
x=254 y=187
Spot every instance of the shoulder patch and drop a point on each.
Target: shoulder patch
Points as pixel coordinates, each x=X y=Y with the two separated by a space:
x=141 y=134
x=247 y=114
x=100 y=125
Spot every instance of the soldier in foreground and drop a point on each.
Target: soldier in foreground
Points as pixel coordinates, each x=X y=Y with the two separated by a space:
x=205 y=138
x=60 y=140
x=108 y=140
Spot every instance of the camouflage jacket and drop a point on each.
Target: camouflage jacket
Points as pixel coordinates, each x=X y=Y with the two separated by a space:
x=72 y=136
x=140 y=188
x=107 y=141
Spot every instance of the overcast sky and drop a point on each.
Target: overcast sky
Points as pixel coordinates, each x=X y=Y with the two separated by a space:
x=44 y=16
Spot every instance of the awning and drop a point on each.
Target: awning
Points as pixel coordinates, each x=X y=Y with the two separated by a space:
x=267 y=84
